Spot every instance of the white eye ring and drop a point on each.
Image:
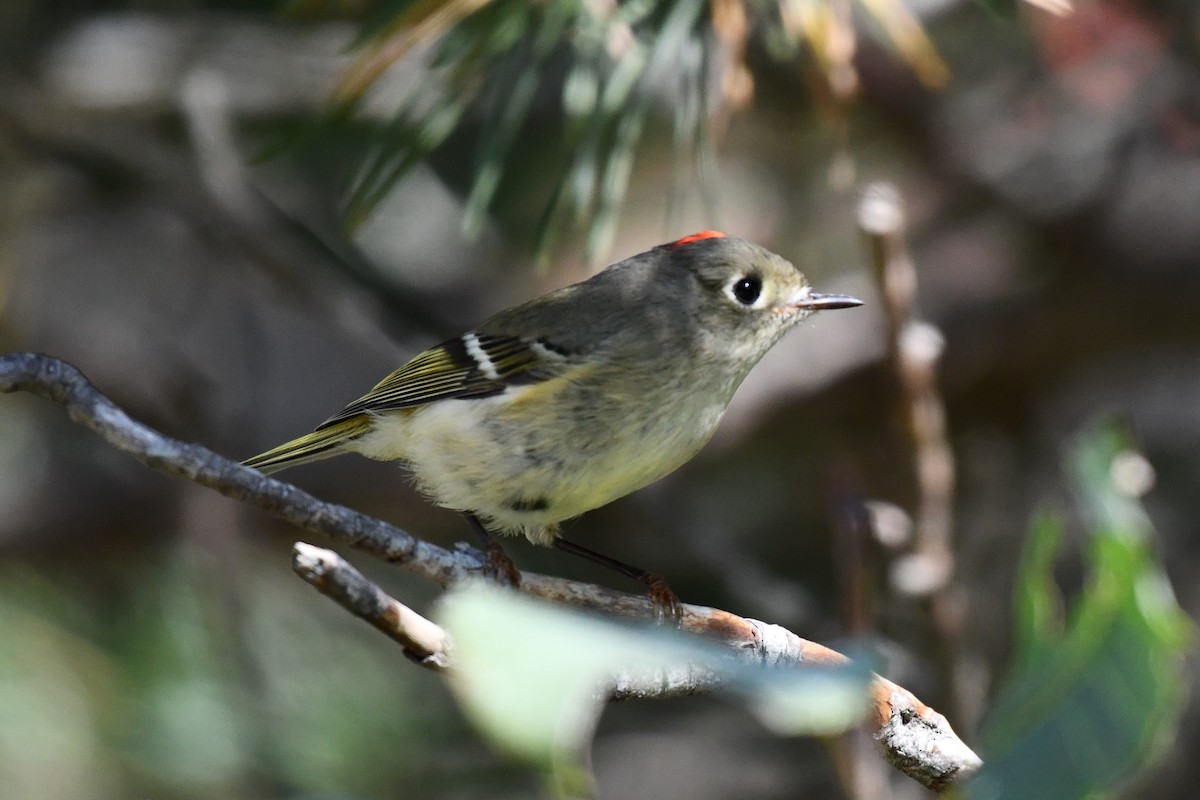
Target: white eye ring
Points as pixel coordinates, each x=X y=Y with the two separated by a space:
x=747 y=291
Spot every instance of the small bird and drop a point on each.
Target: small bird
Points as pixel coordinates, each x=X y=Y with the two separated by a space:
x=578 y=397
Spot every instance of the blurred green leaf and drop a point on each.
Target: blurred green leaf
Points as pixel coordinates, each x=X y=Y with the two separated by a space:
x=534 y=678
x=1088 y=698
x=818 y=701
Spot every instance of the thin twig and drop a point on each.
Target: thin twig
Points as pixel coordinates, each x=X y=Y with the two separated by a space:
x=914 y=738
x=424 y=641
x=915 y=350
x=862 y=776
x=430 y=645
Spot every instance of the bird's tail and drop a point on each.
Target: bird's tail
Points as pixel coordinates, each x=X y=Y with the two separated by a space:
x=321 y=443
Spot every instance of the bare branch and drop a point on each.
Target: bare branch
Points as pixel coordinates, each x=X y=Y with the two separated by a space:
x=914 y=348
x=424 y=641
x=914 y=738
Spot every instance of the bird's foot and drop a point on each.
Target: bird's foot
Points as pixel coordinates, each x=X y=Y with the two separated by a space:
x=498 y=567
x=668 y=610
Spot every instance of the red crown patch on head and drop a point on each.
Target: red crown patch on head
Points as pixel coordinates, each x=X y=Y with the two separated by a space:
x=695 y=237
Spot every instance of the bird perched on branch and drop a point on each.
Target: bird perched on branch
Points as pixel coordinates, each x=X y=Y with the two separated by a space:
x=573 y=399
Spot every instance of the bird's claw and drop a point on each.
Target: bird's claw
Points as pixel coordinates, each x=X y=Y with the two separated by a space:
x=668 y=610
x=498 y=567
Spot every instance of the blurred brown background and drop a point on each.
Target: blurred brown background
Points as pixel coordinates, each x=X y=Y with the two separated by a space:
x=153 y=641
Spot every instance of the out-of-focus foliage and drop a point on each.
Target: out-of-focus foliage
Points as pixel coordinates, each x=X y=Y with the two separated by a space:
x=1050 y=190
x=535 y=679
x=136 y=694
x=1090 y=696
x=612 y=66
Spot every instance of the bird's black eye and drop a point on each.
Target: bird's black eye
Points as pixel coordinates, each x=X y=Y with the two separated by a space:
x=747 y=289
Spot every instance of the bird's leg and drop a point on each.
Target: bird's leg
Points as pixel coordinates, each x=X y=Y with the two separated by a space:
x=496 y=564
x=666 y=604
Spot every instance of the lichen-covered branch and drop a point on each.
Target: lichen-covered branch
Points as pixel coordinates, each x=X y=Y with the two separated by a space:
x=914 y=738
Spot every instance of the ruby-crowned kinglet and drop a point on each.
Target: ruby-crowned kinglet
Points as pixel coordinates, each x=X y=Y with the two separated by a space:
x=581 y=396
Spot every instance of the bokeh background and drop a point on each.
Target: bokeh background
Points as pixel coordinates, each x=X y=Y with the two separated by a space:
x=169 y=224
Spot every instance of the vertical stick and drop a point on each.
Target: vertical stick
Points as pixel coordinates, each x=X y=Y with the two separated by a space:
x=914 y=350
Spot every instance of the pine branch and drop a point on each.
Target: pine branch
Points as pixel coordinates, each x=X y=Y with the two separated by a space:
x=913 y=737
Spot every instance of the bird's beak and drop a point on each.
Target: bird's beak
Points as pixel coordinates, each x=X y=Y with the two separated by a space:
x=824 y=302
